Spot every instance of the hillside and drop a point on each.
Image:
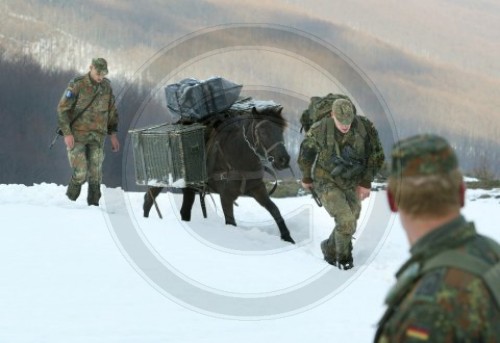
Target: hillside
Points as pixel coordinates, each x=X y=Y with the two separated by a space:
x=432 y=73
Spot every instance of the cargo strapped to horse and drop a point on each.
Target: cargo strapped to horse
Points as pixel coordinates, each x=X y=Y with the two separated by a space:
x=197 y=99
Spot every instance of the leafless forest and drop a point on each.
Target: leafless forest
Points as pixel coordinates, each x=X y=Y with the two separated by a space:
x=428 y=85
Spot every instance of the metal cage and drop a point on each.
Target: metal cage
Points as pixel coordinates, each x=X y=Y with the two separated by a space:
x=170 y=155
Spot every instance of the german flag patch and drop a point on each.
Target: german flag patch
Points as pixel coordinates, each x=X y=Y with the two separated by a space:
x=416 y=332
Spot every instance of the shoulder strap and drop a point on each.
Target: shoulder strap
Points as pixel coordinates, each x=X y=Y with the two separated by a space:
x=492 y=279
x=330 y=132
x=490 y=274
x=361 y=126
x=81 y=112
x=457 y=259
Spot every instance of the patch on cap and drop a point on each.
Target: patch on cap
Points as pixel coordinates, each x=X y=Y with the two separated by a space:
x=100 y=65
x=422 y=155
x=343 y=111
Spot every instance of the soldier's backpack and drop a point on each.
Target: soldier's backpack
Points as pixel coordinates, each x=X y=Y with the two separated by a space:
x=319 y=107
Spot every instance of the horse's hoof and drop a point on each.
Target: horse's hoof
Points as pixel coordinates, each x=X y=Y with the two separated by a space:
x=145 y=210
x=288 y=238
x=186 y=217
x=146 y=207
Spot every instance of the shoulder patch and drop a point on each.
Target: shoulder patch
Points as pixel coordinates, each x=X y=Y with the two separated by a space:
x=430 y=284
x=68 y=94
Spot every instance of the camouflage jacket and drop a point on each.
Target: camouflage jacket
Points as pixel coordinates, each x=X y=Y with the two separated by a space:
x=444 y=304
x=324 y=141
x=100 y=117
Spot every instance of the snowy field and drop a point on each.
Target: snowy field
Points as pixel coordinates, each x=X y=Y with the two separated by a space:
x=73 y=273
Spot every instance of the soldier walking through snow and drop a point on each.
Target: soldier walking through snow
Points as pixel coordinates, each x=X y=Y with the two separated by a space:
x=86 y=114
x=339 y=159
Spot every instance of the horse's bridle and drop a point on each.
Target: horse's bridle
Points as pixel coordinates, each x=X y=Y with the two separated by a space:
x=258 y=144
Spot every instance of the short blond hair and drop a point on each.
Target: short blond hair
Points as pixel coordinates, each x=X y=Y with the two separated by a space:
x=429 y=195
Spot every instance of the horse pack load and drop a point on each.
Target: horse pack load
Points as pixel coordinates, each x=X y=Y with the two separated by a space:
x=174 y=155
x=194 y=100
x=170 y=155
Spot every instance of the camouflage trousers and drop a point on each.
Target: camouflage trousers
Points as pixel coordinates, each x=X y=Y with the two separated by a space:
x=86 y=158
x=345 y=207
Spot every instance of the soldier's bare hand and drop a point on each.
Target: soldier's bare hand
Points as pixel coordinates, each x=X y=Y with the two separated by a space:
x=362 y=192
x=307 y=186
x=115 y=143
x=69 y=140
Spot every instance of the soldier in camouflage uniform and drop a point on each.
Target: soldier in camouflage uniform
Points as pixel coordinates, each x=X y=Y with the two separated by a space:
x=340 y=157
x=91 y=98
x=449 y=289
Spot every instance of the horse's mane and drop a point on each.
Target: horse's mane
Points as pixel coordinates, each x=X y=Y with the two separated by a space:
x=275 y=114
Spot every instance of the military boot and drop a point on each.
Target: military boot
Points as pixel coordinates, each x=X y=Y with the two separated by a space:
x=328 y=251
x=345 y=260
x=73 y=191
x=94 y=194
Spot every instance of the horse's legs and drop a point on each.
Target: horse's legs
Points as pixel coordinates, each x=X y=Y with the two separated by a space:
x=227 y=201
x=260 y=194
x=149 y=197
x=187 y=203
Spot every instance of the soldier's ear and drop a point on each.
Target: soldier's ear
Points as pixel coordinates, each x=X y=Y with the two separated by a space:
x=392 y=201
x=462 y=194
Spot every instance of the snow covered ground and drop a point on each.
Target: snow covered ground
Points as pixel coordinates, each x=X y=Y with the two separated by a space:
x=73 y=273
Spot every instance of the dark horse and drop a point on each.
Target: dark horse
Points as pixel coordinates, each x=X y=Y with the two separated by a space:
x=237 y=145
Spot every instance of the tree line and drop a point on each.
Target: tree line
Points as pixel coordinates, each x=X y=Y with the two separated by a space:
x=28 y=99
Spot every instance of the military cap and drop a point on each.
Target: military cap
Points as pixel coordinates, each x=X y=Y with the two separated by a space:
x=100 y=65
x=343 y=111
x=423 y=155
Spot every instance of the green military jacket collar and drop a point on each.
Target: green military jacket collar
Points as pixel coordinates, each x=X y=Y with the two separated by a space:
x=448 y=235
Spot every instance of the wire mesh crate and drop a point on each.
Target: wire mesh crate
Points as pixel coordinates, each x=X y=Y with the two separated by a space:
x=169 y=155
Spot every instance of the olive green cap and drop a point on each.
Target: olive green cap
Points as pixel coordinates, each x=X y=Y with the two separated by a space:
x=423 y=155
x=100 y=65
x=343 y=111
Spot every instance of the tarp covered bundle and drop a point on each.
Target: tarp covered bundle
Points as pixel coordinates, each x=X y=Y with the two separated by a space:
x=247 y=105
x=194 y=99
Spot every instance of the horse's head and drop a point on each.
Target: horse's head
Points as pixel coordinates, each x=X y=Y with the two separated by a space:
x=267 y=131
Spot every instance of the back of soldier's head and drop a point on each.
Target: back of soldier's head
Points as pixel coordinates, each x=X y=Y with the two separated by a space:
x=425 y=179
